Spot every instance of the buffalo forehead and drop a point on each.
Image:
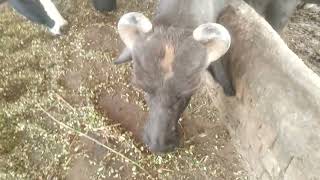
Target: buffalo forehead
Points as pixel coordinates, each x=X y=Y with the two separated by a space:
x=165 y=59
x=166 y=62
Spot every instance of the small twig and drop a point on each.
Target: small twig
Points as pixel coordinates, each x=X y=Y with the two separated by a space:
x=108 y=126
x=96 y=141
x=68 y=161
x=168 y=170
x=65 y=101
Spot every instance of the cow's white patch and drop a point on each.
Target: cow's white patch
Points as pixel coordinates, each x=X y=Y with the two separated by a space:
x=54 y=14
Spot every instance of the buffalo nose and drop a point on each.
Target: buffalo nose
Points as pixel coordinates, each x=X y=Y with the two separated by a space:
x=157 y=147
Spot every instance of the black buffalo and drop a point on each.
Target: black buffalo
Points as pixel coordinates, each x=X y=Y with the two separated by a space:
x=169 y=56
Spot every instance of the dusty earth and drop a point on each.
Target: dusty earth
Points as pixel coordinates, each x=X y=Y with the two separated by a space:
x=54 y=92
x=303 y=36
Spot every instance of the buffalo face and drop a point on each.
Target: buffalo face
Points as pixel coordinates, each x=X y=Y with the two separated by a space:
x=167 y=66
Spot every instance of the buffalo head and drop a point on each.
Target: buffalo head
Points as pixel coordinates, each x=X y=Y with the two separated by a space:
x=167 y=65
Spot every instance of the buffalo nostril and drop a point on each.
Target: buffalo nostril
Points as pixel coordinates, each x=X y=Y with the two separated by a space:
x=145 y=138
x=161 y=148
x=158 y=146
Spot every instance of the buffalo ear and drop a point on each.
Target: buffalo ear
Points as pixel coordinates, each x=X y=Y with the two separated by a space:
x=131 y=26
x=124 y=57
x=215 y=38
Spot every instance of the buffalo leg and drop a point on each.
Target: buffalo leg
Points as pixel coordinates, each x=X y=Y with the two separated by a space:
x=278 y=13
x=219 y=71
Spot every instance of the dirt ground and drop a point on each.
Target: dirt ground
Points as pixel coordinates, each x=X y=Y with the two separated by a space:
x=303 y=36
x=53 y=88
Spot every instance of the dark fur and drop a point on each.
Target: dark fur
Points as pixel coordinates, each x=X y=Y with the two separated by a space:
x=173 y=25
x=277 y=12
x=167 y=98
x=104 y=5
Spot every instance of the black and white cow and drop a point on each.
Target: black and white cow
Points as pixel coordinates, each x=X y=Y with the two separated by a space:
x=45 y=12
x=41 y=11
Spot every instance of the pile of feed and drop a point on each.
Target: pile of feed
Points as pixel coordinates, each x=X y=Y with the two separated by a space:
x=55 y=95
